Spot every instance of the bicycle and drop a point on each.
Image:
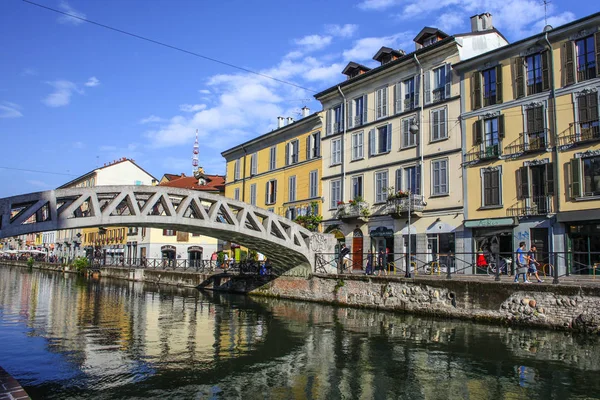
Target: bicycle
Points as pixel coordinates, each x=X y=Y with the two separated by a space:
x=547 y=267
x=434 y=266
x=491 y=268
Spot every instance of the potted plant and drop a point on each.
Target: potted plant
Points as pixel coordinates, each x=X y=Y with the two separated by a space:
x=356 y=201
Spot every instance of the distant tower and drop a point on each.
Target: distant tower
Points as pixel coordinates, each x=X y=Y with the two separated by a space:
x=195 y=156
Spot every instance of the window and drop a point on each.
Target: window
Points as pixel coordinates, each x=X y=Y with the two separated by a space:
x=292 y=188
x=381 y=103
x=536 y=134
x=536 y=182
x=380 y=140
x=439 y=171
x=438 y=124
x=585 y=176
x=313 y=184
x=588 y=114
x=491 y=142
x=586 y=58
x=357 y=186
x=412 y=179
x=439 y=83
x=253 y=164
x=271 y=192
x=169 y=232
x=358 y=114
x=335 y=120
x=533 y=64
x=313 y=145
x=398 y=185
x=489 y=86
x=336 y=193
x=357 y=146
x=407 y=94
x=253 y=194
x=236 y=170
x=336 y=152
x=291 y=213
x=408 y=138
x=491 y=187
x=273 y=158
x=291 y=152
x=381 y=185
x=236 y=194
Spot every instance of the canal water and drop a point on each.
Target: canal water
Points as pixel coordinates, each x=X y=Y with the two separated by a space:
x=64 y=336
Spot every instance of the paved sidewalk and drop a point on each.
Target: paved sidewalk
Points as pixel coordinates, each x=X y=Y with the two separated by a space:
x=10 y=388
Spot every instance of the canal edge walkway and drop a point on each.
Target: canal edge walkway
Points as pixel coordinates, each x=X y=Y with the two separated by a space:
x=10 y=389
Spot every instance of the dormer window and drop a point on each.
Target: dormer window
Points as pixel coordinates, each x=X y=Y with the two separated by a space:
x=353 y=69
x=430 y=41
x=387 y=54
x=429 y=36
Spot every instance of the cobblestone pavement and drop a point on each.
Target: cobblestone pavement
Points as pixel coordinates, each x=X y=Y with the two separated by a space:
x=10 y=388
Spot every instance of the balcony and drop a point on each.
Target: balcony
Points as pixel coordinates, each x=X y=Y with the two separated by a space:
x=409 y=104
x=352 y=210
x=529 y=142
x=587 y=72
x=396 y=206
x=337 y=127
x=531 y=206
x=439 y=94
x=480 y=153
x=580 y=132
x=358 y=120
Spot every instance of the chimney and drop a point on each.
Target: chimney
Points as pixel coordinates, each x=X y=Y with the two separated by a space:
x=305 y=111
x=280 y=122
x=289 y=120
x=481 y=22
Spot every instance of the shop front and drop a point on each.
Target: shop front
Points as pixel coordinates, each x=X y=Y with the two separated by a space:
x=195 y=255
x=491 y=236
x=168 y=253
x=583 y=240
x=382 y=240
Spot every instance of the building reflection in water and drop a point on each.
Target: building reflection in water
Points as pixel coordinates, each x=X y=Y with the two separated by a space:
x=115 y=339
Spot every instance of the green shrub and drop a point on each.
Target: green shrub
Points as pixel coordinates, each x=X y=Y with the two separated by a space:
x=80 y=263
x=30 y=262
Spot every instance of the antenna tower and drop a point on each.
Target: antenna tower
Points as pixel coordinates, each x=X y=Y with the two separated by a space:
x=196 y=151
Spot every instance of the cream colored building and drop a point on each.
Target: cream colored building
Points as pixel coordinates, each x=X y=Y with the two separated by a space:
x=395 y=128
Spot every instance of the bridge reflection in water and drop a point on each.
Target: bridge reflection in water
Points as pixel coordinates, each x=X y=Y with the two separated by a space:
x=78 y=338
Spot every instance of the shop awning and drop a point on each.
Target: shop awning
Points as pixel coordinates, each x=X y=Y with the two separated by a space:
x=580 y=215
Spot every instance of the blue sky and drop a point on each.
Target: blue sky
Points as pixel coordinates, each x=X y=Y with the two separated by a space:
x=74 y=96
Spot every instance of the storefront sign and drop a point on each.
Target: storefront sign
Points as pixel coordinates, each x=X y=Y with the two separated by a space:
x=167 y=248
x=196 y=249
x=486 y=223
x=382 y=231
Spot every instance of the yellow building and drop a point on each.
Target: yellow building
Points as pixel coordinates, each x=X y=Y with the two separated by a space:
x=281 y=170
x=531 y=144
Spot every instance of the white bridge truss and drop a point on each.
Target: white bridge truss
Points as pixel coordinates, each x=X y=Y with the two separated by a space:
x=284 y=242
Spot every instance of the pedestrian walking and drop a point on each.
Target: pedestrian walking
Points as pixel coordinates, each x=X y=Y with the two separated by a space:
x=521 y=263
x=344 y=257
x=533 y=263
x=369 y=268
x=380 y=262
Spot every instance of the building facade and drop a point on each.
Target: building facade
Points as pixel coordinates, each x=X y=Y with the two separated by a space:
x=279 y=171
x=392 y=149
x=532 y=145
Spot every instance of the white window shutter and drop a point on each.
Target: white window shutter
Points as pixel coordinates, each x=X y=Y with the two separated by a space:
x=389 y=137
x=417 y=89
x=448 y=80
x=372 y=142
x=328 y=122
x=385 y=102
x=443 y=124
x=342 y=117
x=350 y=113
x=427 y=88
x=365 y=108
x=398 y=98
x=378 y=104
x=398 y=180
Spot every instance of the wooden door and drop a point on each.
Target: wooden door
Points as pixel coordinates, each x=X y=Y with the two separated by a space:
x=357 y=250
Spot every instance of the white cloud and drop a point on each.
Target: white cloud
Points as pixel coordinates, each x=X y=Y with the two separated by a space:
x=78 y=145
x=63 y=90
x=313 y=42
x=151 y=119
x=292 y=55
x=346 y=30
x=10 y=110
x=29 y=72
x=65 y=19
x=365 y=49
x=204 y=91
x=192 y=107
x=92 y=82
x=449 y=21
x=324 y=73
x=377 y=4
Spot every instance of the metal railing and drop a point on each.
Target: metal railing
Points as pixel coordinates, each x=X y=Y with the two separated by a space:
x=439 y=94
x=358 y=120
x=529 y=142
x=400 y=205
x=550 y=267
x=580 y=132
x=482 y=153
x=409 y=104
x=353 y=210
x=337 y=127
x=587 y=73
x=536 y=205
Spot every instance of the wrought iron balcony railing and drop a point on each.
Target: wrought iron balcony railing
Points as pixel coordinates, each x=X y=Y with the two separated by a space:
x=480 y=153
x=358 y=120
x=531 y=206
x=400 y=205
x=529 y=142
x=353 y=210
x=439 y=94
x=589 y=72
x=409 y=104
x=580 y=132
x=337 y=127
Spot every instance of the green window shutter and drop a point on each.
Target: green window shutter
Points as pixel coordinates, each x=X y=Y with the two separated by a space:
x=582 y=108
x=519 y=78
x=499 y=84
x=575 y=178
x=477 y=132
x=568 y=63
x=501 y=126
x=523 y=183
x=546 y=70
x=538 y=113
x=530 y=120
x=549 y=183
x=476 y=90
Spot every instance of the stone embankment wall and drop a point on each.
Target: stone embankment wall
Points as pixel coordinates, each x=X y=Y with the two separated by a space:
x=564 y=307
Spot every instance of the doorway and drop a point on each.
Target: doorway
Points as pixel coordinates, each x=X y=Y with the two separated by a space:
x=357 y=250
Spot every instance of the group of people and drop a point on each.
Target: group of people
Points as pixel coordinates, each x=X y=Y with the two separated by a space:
x=375 y=265
x=527 y=263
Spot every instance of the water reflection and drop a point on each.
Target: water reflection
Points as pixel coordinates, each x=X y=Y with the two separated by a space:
x=68 y=337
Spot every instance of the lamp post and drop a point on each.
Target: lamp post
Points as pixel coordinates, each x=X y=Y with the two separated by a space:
x=414 y=129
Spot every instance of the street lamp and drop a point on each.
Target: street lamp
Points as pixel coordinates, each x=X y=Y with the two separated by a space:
x=413 y=129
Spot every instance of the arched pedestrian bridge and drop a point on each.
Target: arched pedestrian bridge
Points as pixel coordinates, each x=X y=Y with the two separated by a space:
x=284 y=242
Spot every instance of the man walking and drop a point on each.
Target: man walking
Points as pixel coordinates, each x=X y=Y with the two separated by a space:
x=521 y=263
x=533 y=263
x=344 y=257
